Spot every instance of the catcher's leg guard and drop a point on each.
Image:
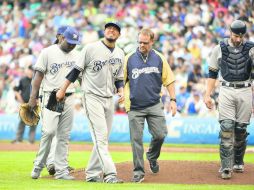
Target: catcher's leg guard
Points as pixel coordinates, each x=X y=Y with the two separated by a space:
x=240 y=143
x=226 y=144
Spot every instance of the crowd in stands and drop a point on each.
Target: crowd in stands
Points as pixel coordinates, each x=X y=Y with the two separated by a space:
x=186 y=31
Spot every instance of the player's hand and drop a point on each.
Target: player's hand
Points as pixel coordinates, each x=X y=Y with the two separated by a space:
x=121 y=97
x=208 y=102
x=32 y=102
x=60 y=94
x=173 y=108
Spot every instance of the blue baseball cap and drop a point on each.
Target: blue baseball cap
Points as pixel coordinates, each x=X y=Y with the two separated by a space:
x=115 y=24
x=61 y=30
x=72 y=36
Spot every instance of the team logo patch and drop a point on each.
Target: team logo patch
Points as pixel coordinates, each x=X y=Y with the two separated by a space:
x=236 y=50
x=74 y=36
x=147 y=70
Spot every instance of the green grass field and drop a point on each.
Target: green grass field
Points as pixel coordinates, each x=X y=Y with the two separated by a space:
x=16 y=167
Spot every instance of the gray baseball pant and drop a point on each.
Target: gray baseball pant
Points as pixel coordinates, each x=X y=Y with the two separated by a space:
x=155 y=118
x=99 y=112
x=59 y=124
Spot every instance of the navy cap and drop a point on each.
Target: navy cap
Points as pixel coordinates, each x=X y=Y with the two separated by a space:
x=61 y=30
x=115 y=24
x=72 y=36
x=238 y=27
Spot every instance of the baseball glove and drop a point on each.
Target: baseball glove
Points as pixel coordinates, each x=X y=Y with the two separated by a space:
x=53 y=104
x=29 y=116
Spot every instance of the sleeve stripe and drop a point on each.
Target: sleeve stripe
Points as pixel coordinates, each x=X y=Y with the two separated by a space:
x=79 y=68
x=39 y=69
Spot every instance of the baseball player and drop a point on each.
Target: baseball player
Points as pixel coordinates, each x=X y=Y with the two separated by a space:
x=102 y=66
x=145 y=71
x=50 y=160
x=52 y=66
x=233 y=59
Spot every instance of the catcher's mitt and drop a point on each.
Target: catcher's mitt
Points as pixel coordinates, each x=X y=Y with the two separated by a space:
x=29 y=116
x=53 y=104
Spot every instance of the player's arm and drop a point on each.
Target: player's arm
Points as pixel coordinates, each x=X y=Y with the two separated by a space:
x=168 y=80
x=36 y=83
x=70 y=78
x=213 y=74
x=251 y=54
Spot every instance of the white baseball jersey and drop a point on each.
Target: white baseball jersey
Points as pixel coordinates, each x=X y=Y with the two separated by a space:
x=55 y=64
x=101 y=68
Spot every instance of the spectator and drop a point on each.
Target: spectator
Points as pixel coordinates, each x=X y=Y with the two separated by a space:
x=22 y=92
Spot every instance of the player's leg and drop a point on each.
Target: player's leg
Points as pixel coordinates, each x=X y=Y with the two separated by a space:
x=51 y=157
x=226 y=147
x=136 y=125
x=94 y=169
x=49 y=120
x=62 y=138
x=227 y=113
x=157 y=127
x=240 y=146
x=243 y=115
x=95 y=111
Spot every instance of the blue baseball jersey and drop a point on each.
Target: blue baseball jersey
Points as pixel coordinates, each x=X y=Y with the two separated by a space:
x=144 y=79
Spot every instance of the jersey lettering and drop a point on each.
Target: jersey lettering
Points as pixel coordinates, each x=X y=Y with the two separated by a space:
x=136 y=72
x=98 y=65
x=54 y=68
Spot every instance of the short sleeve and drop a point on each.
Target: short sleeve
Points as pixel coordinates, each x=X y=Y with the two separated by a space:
x=83 y=59
x=41 y=63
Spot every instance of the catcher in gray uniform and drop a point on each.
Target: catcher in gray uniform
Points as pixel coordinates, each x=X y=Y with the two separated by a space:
x=101 y=65
x=50 y=160
x=233 y=59
x=53 y=64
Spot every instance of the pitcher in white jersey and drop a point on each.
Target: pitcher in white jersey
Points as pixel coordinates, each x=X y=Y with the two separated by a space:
x=101 y=64
x=53 y=64
x=51 y=157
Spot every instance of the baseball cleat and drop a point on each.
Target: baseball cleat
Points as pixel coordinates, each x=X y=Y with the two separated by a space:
x=138 y=178
x=65 y=177
x=112 y=179
x=238 y=168
x=226 y=174
x=154 y=166
x=51 y=169
x=35 y=174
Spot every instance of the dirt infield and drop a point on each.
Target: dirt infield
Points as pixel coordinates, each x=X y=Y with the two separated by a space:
x=182 y=172
x=174 y=172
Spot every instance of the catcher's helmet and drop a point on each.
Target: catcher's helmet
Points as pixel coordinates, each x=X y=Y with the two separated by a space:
x=238 y=27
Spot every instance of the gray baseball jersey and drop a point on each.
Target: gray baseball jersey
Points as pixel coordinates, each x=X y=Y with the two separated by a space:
x=55 y=64
x=100 y=68
x=242 y=97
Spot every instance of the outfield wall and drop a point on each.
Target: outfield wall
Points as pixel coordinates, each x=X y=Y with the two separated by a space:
x=191 y=130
